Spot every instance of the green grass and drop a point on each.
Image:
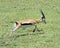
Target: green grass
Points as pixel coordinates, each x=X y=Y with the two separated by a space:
x=13 y=10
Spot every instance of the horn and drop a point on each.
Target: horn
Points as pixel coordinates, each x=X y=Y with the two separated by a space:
x=42 y=16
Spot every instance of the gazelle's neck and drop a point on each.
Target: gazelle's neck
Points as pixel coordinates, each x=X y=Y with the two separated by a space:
x=38 y=20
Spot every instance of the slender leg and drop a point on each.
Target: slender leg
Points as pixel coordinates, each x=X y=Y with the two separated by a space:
x=35 y=28
x=14 y=28
x=38 y=30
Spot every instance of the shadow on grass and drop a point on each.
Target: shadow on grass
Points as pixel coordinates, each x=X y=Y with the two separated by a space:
x=6 y=41
x=34 y=33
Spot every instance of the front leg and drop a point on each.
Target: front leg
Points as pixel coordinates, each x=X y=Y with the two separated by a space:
x=35 y=28
x=38 y=30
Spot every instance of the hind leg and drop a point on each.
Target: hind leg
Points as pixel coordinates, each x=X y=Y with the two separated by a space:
x=15 y=27
x=11 y=31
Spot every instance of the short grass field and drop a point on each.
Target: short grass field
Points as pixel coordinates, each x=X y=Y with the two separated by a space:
x=14 y=10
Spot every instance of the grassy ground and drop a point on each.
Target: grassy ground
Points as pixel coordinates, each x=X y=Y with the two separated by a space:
x=13 y=10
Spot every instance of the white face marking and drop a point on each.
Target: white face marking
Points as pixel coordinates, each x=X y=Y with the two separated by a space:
x=43 y=19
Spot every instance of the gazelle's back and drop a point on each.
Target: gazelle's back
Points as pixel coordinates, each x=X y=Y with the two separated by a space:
x=29 y=21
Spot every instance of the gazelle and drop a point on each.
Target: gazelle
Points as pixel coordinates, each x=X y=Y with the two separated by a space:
x=27 y=22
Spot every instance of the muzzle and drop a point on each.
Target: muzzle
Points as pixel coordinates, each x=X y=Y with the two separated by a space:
x=44 y=21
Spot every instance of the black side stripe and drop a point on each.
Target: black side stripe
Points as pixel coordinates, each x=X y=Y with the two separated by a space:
x=27 y=24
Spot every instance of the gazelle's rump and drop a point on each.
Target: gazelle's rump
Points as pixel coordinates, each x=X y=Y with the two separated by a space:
x=14 y=26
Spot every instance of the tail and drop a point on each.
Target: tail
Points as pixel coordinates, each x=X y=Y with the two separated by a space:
x=43 y=17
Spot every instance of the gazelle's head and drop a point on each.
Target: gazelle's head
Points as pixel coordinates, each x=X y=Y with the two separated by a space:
x=43 y=17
